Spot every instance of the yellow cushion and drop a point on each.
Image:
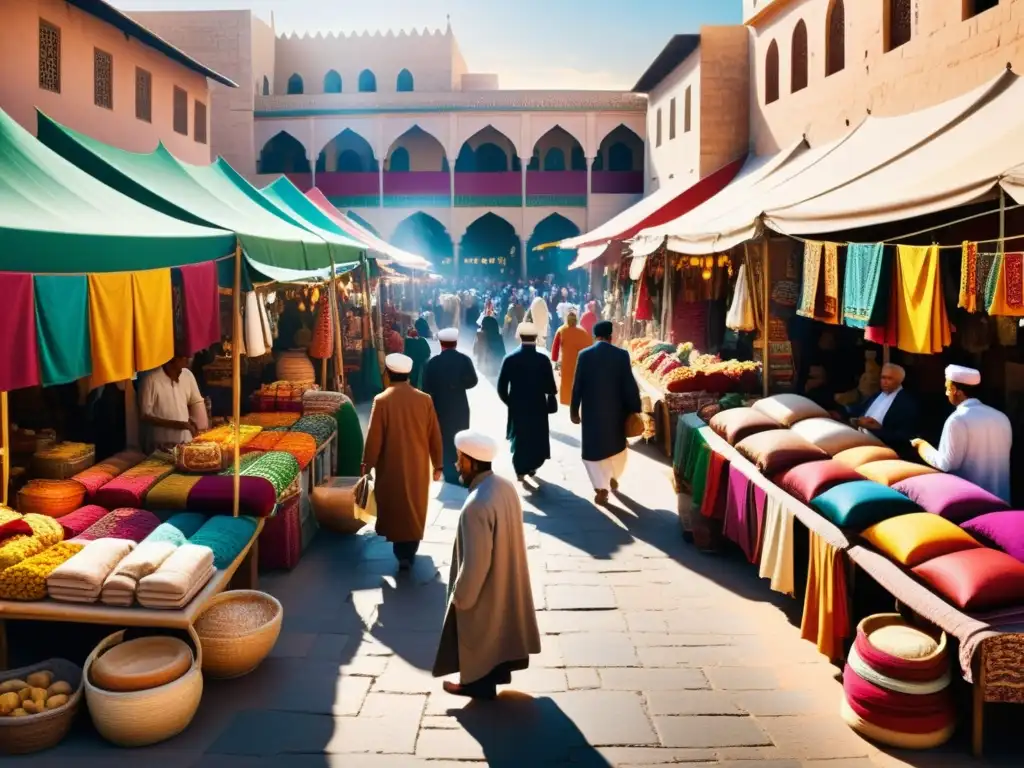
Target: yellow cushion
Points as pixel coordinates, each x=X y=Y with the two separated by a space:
x=862 y=454
x=892 y=471
x=917 y=537
x=904 y=642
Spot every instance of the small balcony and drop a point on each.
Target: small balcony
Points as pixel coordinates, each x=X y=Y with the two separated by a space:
x=501 y=189
x=617 y=183
x=566 y=189
x=417 y=189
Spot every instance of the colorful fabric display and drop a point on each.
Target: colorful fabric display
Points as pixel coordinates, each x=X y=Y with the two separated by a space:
x=245 y=460
x=178 y=528
x=320 y=425
x=55 y=498
x=172 y=492
x=27 y=580
x=271 y=419
x=918 y=537
x=201 y=304
x=225 y=435
x=111 y=339
x=280 y=543
x=976 y=580
x=300 y=445
x=807 y=481
x=922 y=325
x=278 y=467
x=79 y=521
x=1002 y=530
x=350 y=441
x=738 y=423
x=226 y=536
x=45 y=533
x=7 y=515
x=98 y=475
x=1008 y=292
x=860 y=288
x=266 y=440
x=740 y=524
x=788 y=410
x=777 y=546
x=128 y=524
x=80 y=579
x=860 y=504
x=214 y=495
x=178 y=579
x=129 y=489
x=119 y=588
x=62 y=328
x=19 y=348
x=153 y=318
x=777 y=450
x=322 y=401
x=819 y=291
x=854 y=458
x=826 y=621
x=322 y=345
x=950 y=496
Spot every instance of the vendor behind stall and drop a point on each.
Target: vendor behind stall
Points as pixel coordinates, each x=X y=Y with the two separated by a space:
x=171 y=405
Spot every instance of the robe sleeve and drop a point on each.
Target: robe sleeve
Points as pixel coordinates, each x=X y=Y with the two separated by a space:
x=374 y=438
x=434 y=438
x=503 y=382
x=469 y=378
x=630 y=389
x=477 y=528
x=952 y=450
x=552 y=387
x=577 y=383
x=556 y=347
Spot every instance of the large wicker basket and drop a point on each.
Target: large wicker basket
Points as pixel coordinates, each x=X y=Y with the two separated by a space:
x=140 y=718
x=230 y=650
x=34 y=733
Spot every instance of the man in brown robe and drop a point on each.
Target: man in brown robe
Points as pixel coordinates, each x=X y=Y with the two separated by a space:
x=403 y=444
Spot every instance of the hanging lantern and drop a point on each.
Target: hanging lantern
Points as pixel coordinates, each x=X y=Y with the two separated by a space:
x=314 y=298
x=695 y=261
x=709 y=262
x=706 y=274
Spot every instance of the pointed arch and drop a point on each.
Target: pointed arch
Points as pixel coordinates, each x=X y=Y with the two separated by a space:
x=347 y=152
x=405 y=82
x=835 y=38
x=283 y=154
x=620 y=151
x=491 y=246
x=425 y=236
x=798 y=58
x=558 y=150
x=487 y=151
x=367 y=82
x=552 y=229
x=332 y=82
x=425 y=152
x=295 y=85
x=266 y=85
x=554 y=159
x=771 y=73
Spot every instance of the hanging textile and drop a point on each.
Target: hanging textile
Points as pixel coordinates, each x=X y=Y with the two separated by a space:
x=819 y=291
x=755 y=280
x=268 y=333
x=111 y=340
x=740 y=524
x=969 y=277
x=741 y=314
x=922 y=325
x=830 y=285
x=826 y=621
x=322 y=346
x=153 y=318
x=644 y=311
x=254 y=346
x=1008 y=294
x=62 y=328
x=777 y=546
x=201 y=304
x=860 y=288
x=811 y=279
x=19 y=349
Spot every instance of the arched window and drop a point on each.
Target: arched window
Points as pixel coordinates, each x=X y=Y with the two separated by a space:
x=349 y=161
x=578 y=161
x=367 y=82
x=294 y=85
x=554 y=160
x=266 y=86
x=798 y=58
x=898 y=23
x=332 y=82
x=835 y=38
x=405 y=84
x=620 y=157
x=399 y=161
x=771 y=74
x=534 y=164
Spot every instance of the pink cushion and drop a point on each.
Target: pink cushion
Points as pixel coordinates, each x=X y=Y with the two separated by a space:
x=777 y=450
x=1002 y=530
x=806 y=481
x=950 y=496
x=736 y=424
x=976 y=579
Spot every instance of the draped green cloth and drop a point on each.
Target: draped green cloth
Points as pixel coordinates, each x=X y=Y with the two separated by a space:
x=686 y=425
x=860 y=288
x=62 y=328
x=700 y=470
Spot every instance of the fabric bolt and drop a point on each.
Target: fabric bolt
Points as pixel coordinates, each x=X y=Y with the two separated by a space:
x=172 y=492
x=79 y=521
x=19 y=345
x=759 y=504
x=950 y=496
x=922 y=325
x=860 y=289
x=128 y=524
x=777 y=546
x=153 y=317
x=740 y=525
x=111 y=337
x=278 y=467
x=826 y=620
x=98 y=475
x=214 y=495
x=1008 y=295
x=129 y=489
x=916 y=537
x=300 y=445
x=26 y=580
x=716 y=492
x=83 y=575
x=1002 y=530
x=145 y=559
x=686 y=425
x=320 y=425
x=178 y=528
x=830 y=283
x=266 y=440
x=178 y=575
x=227 y=537
x=244 y=461
x=62 y=328
x=201 y=305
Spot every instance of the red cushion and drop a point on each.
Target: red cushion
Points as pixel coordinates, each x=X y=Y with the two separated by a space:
x=809 y=480
x=976 y=579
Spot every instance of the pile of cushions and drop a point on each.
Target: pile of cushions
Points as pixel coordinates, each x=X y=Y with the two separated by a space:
x=861 y=504
x=891 y=471
x=788 y=410
x=832 y=436
x=1000 y=530
x=950 y=496
x=855 y=458
x=129 y=489
x=810 y=480
x=896 y=685
x=737 y=424
x=777 y=450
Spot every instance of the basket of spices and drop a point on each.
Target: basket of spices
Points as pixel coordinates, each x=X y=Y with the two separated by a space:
x=38 y=705
x=238 y=630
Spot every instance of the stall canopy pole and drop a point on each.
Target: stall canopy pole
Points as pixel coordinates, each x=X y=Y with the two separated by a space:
x=6 y=447
x=236 y=372
x=765 y=335
x=339 y=361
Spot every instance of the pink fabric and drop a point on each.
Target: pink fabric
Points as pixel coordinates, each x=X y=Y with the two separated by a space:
x=19 y=348
x=79 y=521
x=589 y=318
x=202 y=306
x=740 y=525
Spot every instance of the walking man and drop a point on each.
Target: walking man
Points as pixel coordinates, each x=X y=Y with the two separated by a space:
x=403 y=443
x=570 y=340
x=490 y=627
x=604 y=395
x=417 y=349
x=526 y=384
x=447 y=378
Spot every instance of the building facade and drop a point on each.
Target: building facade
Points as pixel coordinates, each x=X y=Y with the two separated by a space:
x=97 y=71
x=818 y=66
x=396 y=131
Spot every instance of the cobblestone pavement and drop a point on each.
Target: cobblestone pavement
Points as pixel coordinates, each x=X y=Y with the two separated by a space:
x=652 y=654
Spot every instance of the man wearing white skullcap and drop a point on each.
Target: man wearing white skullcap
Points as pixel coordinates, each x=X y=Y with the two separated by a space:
x=403 y=444
x=526 y=385
x=447 y=378
x=976 y=439
x=490 y=626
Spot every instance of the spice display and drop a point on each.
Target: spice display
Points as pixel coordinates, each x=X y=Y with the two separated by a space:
x=63 y=460
x=27 y=580
x=684 y=369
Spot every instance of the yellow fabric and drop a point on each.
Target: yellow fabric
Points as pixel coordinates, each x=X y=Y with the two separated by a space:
x=110 y=327
x=826 y=621
x=153 y=318
x=573 y=341
x=920 y=536
x=893 y=471
x=922 y=325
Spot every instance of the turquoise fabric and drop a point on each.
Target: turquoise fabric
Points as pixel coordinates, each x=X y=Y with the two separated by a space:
x=178 y=528
x=62 y=328
x=860 y=287
x=685 y=426
x=226 y=536
x=861 y=504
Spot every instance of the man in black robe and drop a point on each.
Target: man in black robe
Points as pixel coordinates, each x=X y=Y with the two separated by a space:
x=446 y=378
x=526 y=384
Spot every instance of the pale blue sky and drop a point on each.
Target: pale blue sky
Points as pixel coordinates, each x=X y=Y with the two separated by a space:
x=529 y=43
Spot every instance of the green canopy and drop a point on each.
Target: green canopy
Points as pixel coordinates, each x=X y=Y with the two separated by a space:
x=55 y=218
x=199 y=195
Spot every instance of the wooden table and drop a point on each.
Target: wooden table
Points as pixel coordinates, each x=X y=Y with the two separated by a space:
x=241 y=574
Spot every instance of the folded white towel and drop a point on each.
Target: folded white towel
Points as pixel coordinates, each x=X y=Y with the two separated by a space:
x=174 y=579
x=165 y=603
x=87 y=570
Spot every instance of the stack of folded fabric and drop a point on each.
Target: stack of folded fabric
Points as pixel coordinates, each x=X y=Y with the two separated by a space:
x=128 y=524
x=27 y=580
x=98 y=475
x=31 y=535
x=227 y=537
x=244 y=461
x=83 y=518
x=172 y=492
x=215 y=495
x=281 y=469
x=178 y=579
x=7 y=514
x=318 y=401
x=896 y=683
x=320 y=425
x=129 y=489
x=120 y=586
x=80 y=579
x=300 y=445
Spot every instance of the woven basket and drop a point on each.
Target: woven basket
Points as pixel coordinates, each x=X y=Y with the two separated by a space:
x=295 y=366
x=141 y=718
x=34 y=733
x=230 y=650
x=54 y=464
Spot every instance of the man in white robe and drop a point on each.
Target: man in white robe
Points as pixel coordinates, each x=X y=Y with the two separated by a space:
x=976 y=439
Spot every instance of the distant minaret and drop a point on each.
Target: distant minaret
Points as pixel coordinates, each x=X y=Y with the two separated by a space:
x=448 y=20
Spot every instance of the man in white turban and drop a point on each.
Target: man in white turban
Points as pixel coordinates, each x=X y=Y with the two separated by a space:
x=447 y=378
x=976 y=439
x=490 y=627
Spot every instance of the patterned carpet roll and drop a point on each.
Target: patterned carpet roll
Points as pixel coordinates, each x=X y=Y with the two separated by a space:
x=178 y=528
x=55 y=498
x=171 y=493
x=300 y=445
x=130 y=488
x=127 y=524
x=100 y=474
x=266 y=440
x=317 y=401
x=244 y=461
x=320 y=425
x=27 y=580
x=79 y=521
x=214 y=495
x=271 y=420
x=278 y=467
x=226 y=536
x=45 y=533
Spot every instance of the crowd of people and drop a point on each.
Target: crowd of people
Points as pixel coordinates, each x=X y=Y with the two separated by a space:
x=419 y=433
